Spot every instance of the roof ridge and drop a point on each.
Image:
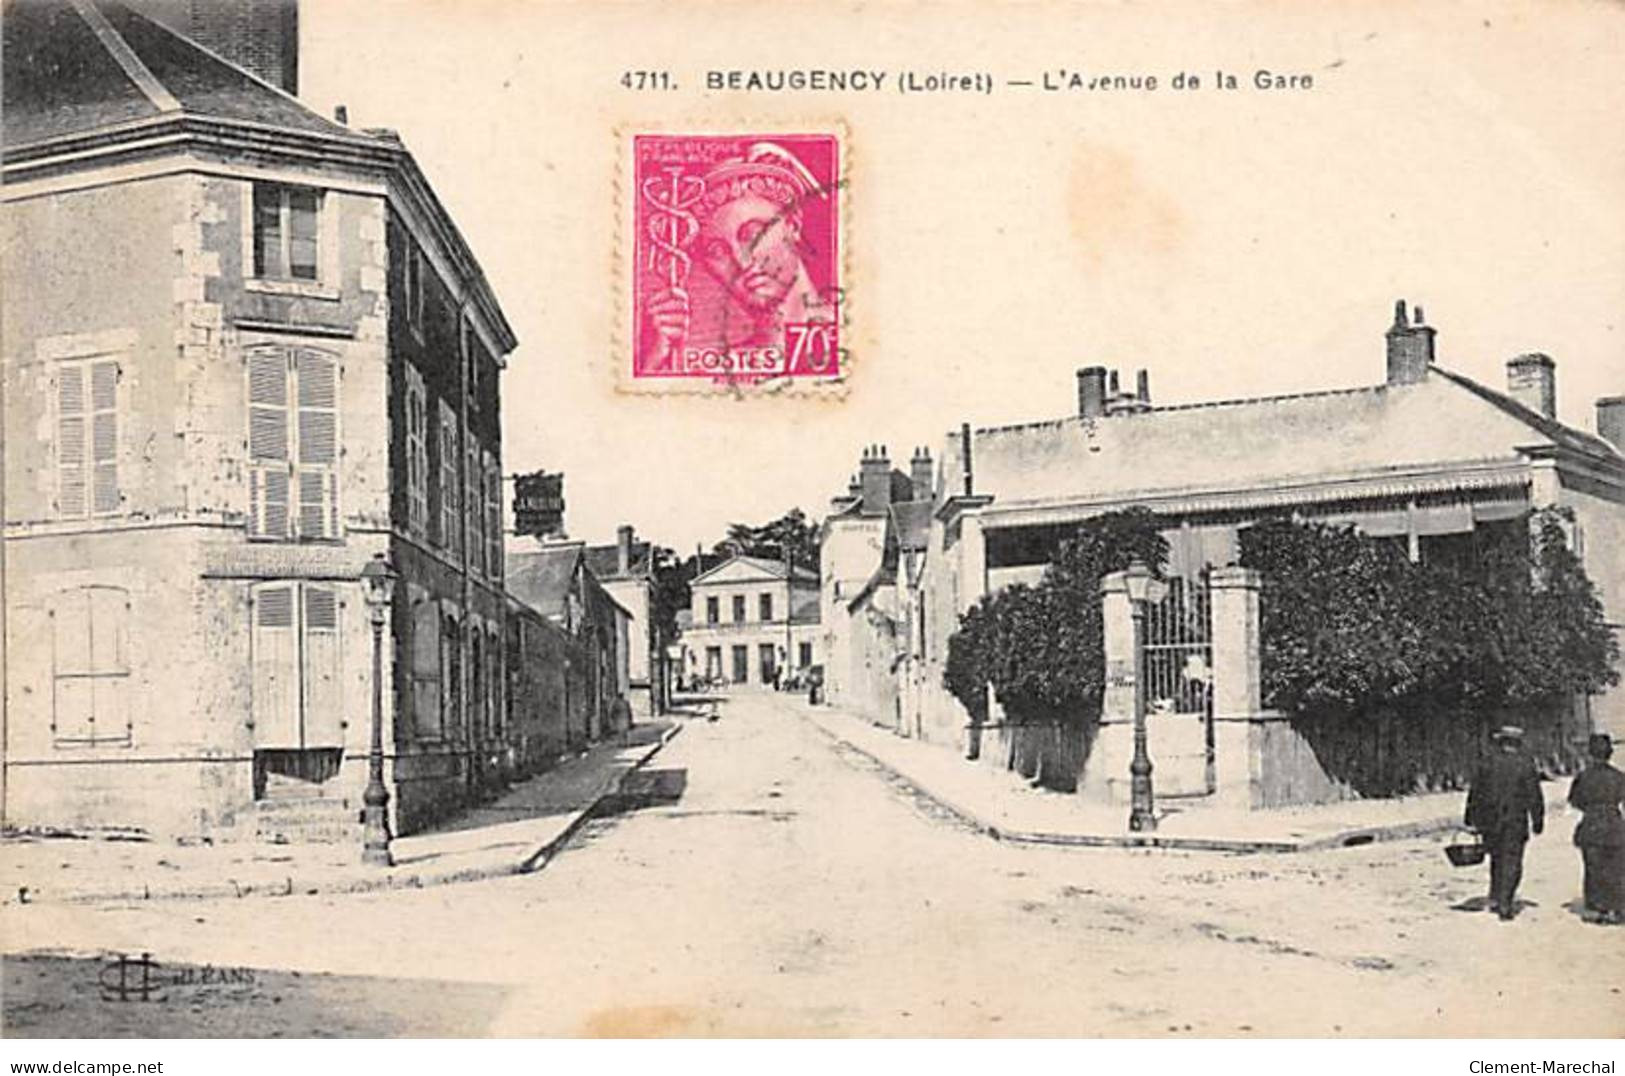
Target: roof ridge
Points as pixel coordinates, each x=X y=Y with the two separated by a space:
x=193 y=43
x=1198 y=405
x=134 y=68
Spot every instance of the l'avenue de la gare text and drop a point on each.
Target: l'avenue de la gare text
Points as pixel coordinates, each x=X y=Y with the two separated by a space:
x=1541 y=1068
x=1050 y=80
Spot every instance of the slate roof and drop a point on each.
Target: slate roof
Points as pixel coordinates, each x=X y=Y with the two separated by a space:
x=911 y=523
x=605 y=560
x=805 y=609
x=541 y=578
x=64 y=78
x=1296 y=443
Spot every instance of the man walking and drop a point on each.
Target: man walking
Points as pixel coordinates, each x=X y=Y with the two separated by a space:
x=1504 y=806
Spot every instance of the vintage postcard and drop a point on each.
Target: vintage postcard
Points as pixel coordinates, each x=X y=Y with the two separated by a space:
x=774 y=520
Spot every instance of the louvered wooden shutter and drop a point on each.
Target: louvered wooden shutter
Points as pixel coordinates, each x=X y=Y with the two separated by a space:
x=268 y=448
x=474 y=482
x=324 y=698
x=275 y=706
x=70 y=439
x=493 y=518
x=426 y=700
x=104 y=436
x=317 y=377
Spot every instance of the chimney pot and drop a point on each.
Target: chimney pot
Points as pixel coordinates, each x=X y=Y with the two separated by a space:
x=874 y=477
x=1092 y=391
x=965 y=458
x=1532 y=381
x=341 y=115
x=1142 y=387
x=919 y=475
x=1410 y=348
x=623 y=549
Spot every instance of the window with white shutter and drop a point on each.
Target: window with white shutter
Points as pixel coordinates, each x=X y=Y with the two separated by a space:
x=417 y=452
x=493 y=518
x=475 y=479
x=87 y=437
x=298 y=697
x=90 y=667
x=317 y=458
x=322 y=703
x=451 y=514
x=293 y=444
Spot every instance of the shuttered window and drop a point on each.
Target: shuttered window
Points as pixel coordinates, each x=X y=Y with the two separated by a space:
x=493 y=518
x=427 y=713
x=451 y=513
x=417 y=452
x=293 y=444
x=87 y=419
x=475 y=479
x=298 y=701
x=90 y=667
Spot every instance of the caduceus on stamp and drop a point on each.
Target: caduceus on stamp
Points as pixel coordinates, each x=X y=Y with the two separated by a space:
x=735 y=257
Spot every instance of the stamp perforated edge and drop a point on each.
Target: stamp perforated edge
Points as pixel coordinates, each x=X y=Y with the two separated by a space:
x=830 y=389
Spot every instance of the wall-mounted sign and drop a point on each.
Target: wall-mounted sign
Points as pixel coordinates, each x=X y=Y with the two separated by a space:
x=538 y=504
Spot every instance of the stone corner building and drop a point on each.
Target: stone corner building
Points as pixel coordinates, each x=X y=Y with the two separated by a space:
x=245 y=349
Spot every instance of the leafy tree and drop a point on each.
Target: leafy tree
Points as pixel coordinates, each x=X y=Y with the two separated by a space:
x=793 y=530
x=1041 y=647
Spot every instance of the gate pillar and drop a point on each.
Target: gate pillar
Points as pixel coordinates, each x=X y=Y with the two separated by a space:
x=1237 y=680
x=1105 y=777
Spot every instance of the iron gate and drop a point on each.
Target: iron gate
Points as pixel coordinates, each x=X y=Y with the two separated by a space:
x=1178 y=667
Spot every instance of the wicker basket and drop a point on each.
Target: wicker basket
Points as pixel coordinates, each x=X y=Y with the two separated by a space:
x=1465 y=850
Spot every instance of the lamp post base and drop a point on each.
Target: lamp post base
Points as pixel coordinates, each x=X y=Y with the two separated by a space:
x=375 y=838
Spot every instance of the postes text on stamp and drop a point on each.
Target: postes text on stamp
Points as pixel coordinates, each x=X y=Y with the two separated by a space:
x=735 y=259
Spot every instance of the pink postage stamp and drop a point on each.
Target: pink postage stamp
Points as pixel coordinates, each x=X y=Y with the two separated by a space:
x=735 y=270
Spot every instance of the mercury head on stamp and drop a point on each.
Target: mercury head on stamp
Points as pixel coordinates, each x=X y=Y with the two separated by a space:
x=735 y=257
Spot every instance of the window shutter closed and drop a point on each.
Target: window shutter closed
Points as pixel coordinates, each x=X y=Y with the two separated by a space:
x=324 y=698
x=318 y=445
x=426 y=668
x=73 y=708
x=268 y=455
x=275 y=706
x=70 y=439
x=104 y=436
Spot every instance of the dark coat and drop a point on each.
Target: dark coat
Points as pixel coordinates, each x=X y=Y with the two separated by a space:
x=1504 y=802
x=1599 y=791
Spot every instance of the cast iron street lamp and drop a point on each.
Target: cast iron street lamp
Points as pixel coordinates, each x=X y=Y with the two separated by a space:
x=379 y=578
x=1143 y=589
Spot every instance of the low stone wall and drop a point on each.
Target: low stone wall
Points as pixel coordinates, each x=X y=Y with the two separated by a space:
x=1053 y=755
x=1299 y=759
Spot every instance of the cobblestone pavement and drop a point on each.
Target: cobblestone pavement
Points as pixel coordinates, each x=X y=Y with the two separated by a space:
x=763 y=881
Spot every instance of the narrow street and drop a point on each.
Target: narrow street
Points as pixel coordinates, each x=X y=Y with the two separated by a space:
x=780 y=886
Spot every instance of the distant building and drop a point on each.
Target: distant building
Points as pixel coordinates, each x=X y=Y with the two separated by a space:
x=627 y=571
x=852 y=548
x=251 y=350
x=752 y=621
x=556 y=581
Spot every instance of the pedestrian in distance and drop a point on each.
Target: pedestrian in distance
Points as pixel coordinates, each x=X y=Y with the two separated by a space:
x=1599 y=793
x=1504 y=806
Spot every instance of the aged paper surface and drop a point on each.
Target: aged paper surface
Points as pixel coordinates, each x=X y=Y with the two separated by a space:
x=959 y=210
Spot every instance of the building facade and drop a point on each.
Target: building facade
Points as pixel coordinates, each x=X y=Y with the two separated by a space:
x=752 y=621
x=253 y=351
x=1426 y=459
x=626 y=570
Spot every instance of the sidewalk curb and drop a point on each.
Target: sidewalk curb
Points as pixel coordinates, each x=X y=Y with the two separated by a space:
x=290 y=887
x=1349 y=838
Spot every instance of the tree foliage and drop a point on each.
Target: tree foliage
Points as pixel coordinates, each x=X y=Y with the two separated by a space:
x=793 y=530
x=1349 y=622
x=1040 y=647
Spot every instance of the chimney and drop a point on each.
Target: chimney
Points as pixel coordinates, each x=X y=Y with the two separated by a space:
x=1410 y=348
x=874 y=473
x=965 y=458
x=1142 y=389
x=260 y=36
x=1118 y=401
x=1532 y=381
x=919 y=474
x=341 y=115
x=1091 y=392
x=1611 y=420
x=623 y=549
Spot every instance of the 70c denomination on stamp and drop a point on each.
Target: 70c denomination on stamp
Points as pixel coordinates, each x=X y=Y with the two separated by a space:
x=735 y=259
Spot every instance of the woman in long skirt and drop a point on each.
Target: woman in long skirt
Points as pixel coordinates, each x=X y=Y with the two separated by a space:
x=1599 y=793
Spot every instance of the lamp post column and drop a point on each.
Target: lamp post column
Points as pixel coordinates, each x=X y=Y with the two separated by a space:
x=1142 y=814
x=375 y=800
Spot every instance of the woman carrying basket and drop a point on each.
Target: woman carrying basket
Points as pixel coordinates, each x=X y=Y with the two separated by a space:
x=1599 y=793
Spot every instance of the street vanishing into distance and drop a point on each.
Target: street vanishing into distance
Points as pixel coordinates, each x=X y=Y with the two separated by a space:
x=773 y=882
